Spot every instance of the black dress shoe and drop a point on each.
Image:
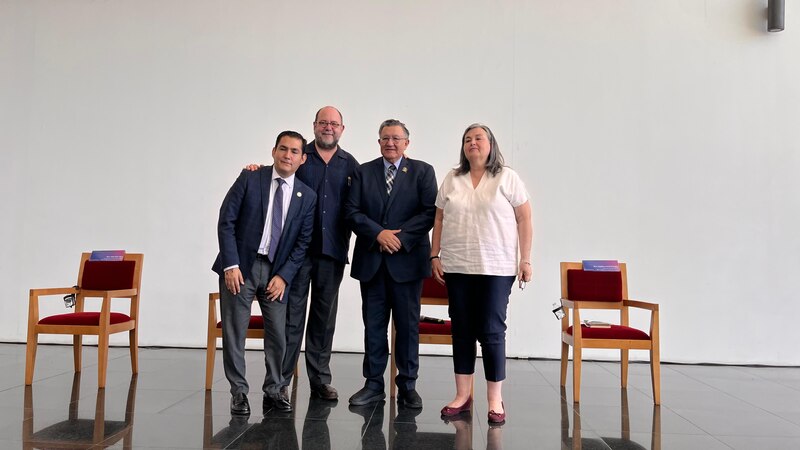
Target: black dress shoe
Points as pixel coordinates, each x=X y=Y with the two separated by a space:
x=285 y=392
x=409 y=399
x=277 y=402
x=239 y=404
x=325 y=392
x=366 y=396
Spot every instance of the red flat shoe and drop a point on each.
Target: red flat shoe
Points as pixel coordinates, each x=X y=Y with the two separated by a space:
x=447 y=411
x=497 y=418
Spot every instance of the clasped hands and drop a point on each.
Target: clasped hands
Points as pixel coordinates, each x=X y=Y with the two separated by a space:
x=234 y=281
x=388 y=241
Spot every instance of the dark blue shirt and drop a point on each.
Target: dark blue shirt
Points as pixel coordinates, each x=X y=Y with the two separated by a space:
x=331 y=182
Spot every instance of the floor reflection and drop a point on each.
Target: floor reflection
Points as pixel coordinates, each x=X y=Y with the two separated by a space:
x=272 y=430
x=624 y=441
x=75 y=432
x=316 y=434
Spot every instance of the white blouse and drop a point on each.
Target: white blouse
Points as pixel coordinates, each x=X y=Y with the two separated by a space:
x=479 y=228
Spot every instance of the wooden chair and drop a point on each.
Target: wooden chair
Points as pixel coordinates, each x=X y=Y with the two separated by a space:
x=96 y=279
x=582 y=290
x=433 y=293
x=75 y=432
x=255 y=330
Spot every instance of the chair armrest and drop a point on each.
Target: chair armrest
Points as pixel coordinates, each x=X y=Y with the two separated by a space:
x=641 y=304
x=587 y=304
x=117 y=293
x=53 y=291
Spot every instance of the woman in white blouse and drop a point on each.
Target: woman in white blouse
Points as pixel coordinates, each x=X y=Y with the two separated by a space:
x=481 y=242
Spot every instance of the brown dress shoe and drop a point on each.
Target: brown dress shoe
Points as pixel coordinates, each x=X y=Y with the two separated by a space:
x=325 y=392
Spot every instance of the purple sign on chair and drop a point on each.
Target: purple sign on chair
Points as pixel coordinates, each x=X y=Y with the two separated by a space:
x=601 y=265
x=107 y=255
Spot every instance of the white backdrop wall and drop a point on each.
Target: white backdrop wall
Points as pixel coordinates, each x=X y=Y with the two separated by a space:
x=663 y=133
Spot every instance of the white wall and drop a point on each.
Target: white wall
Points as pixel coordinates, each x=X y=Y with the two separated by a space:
x=663 y=133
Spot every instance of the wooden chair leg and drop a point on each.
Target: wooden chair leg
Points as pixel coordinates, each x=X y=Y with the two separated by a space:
x=576 y=374
x=211 y=352
x=102 y=360
x=624 y=366
x=77 y=348
x=30 y=357
x=296 y=374
x=564 y=362
x=133 y=337
x=655 y=374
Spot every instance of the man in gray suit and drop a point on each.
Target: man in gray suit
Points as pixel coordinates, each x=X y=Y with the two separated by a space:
x=265 y=225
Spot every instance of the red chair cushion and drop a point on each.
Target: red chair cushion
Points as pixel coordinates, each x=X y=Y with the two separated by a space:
x=432 y=288
x=108 y=275
x=256 y=323
x=435 y=328
x=82 y=318
x=615 y=332
x=594 y=286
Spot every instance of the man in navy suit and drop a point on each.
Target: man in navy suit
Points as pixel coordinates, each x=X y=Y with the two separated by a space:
x=265 y=226
x=391 y=209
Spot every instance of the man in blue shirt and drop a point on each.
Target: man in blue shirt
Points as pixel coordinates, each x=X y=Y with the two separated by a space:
x=329 y=171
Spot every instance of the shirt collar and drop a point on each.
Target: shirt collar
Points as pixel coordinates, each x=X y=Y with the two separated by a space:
x=289 y=180
x=386 y=163
x=311 y=149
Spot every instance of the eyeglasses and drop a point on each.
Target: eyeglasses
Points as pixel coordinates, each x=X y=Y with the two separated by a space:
x=325 y=123
x=387 y=139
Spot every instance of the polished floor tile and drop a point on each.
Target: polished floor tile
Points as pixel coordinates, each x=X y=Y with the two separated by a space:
x=166 y=407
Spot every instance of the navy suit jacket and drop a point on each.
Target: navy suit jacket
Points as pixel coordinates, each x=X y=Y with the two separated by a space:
x=241 y=225
x=411 y=208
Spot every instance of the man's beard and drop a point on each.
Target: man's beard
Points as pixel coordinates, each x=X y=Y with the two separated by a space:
x=326 y=146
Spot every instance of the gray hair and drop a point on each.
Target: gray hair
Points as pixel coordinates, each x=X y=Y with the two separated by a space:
x=393 y=123
x=494 y=163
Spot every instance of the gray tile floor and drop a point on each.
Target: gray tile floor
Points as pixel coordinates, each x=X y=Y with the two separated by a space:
x=165 y=406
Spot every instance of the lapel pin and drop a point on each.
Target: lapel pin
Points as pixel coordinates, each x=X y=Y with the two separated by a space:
x=299 y=194
x=405 y=169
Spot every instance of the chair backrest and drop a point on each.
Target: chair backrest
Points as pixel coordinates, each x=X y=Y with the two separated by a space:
x=433 y=293
x=583 y=285
x=110 y=275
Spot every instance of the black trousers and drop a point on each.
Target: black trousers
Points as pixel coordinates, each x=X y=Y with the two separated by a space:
x=235 y=312
x=478 y=305
x=380 y=297
x=324 y=276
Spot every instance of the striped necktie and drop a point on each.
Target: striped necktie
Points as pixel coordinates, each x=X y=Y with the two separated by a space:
x=390 y=178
